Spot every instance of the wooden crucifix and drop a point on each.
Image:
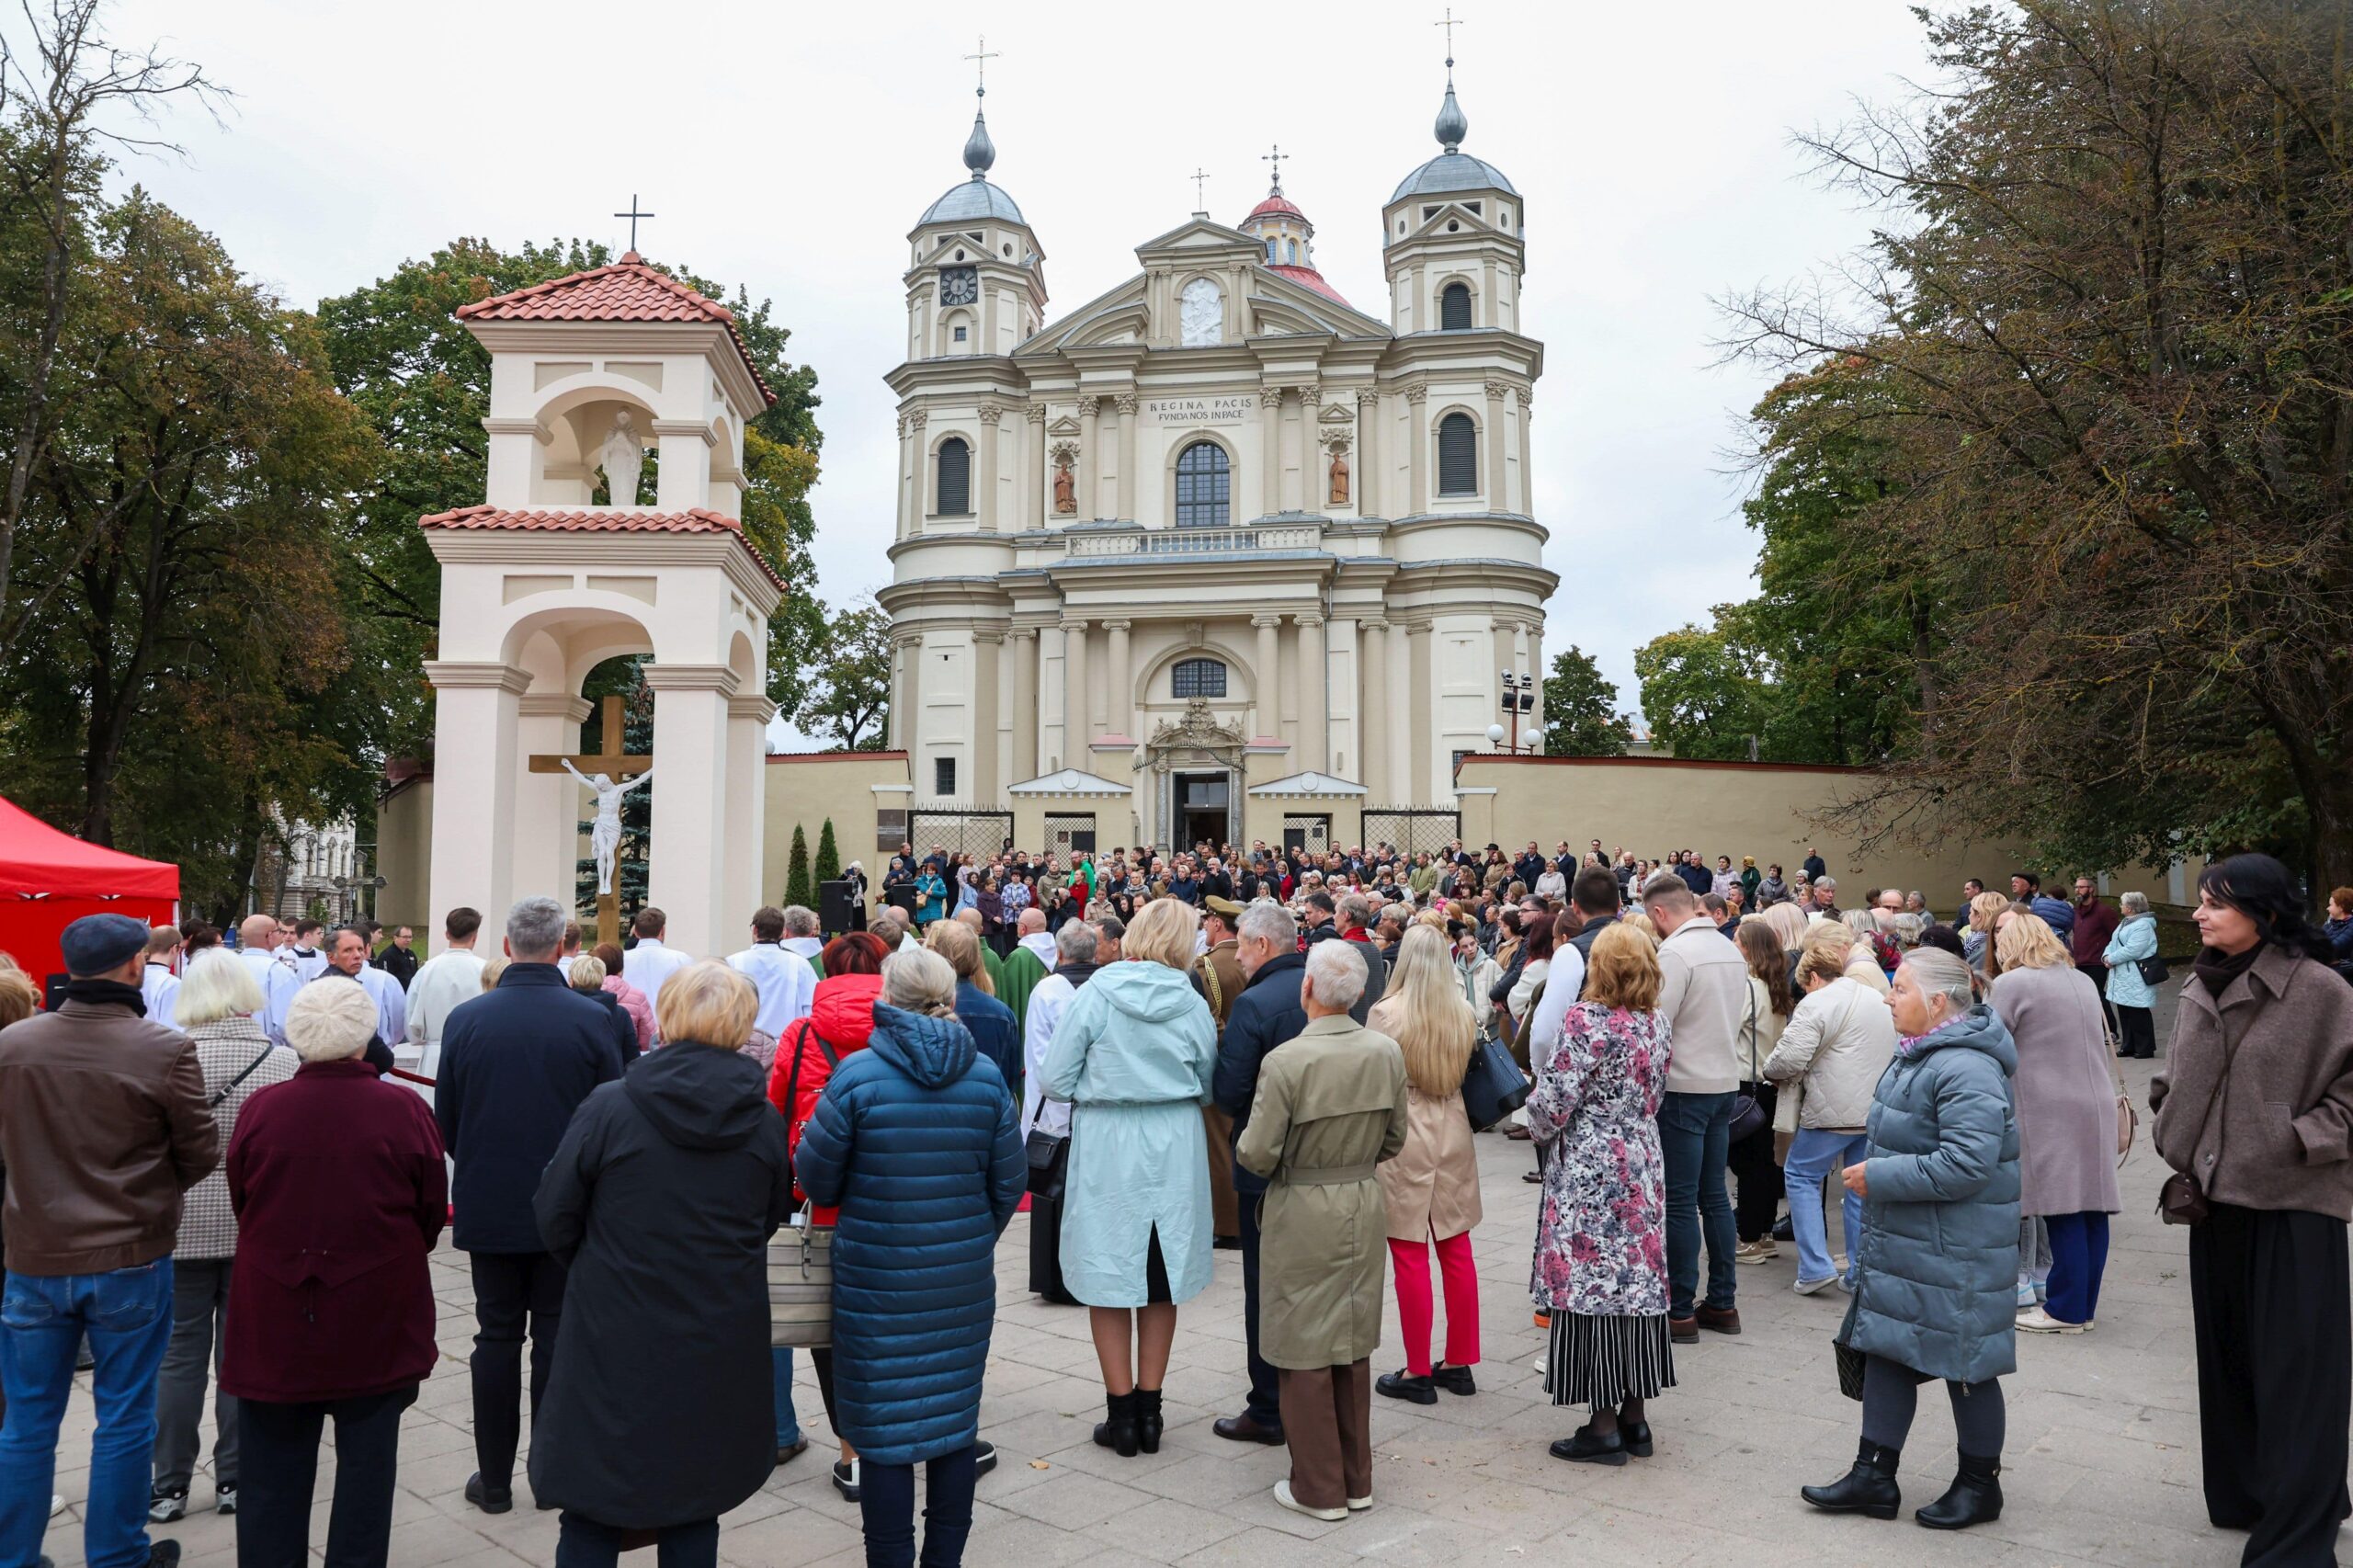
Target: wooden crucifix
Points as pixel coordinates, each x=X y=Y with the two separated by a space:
x=601 y=770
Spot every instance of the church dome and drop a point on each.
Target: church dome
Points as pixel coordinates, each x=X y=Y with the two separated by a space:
x=1276 y=203
x=1278 y=225
x=976 y=197
x=1453 y=169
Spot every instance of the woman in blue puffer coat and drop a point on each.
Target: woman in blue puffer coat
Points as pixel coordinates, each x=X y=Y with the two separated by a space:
x=916 y=1143
x=1937 y=1272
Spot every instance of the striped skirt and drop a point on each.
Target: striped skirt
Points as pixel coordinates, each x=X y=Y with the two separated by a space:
x=1601 y=1362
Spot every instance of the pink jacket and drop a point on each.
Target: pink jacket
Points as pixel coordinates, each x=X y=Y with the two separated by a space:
x=634 y=1002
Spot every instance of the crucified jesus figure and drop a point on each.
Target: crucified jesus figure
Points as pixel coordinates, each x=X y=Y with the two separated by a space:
x=604 y=833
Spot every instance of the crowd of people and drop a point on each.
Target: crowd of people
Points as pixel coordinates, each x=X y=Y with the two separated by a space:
x=237 y=1162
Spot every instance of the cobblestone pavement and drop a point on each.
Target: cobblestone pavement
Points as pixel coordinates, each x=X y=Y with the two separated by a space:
x=2102 y=1462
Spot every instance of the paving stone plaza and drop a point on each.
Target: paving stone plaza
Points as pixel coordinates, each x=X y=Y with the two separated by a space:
x=2101 y=1464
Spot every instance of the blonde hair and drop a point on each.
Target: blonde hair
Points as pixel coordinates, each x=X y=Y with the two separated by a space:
x=1622 y=969
x=1638 y=920
x=954 y=940
x=18 y=1000
x=1787 y=922
x=586 y=973
x=915 y=980
x=218 y=984
x=491 y=970
x=1985 y=909
x=707 y=1003
x=1162 y=933
x=1432 y=1020
x=2029 y=942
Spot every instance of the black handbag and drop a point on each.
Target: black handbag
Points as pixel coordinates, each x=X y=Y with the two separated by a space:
x=1049 y=1162
x=2153 y=970
x=1493 y=1085
x=1850 y=1360
x=1749 y=1116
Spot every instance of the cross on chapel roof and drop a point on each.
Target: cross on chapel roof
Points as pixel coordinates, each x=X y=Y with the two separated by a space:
x=629 y=289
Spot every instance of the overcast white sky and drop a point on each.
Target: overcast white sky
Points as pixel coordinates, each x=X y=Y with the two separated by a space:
x=792 y=146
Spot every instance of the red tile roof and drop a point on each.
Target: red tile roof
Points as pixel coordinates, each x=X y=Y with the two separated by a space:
x=627 y=291
x=598 y=520
x=1313 y=280
x=1276 y=203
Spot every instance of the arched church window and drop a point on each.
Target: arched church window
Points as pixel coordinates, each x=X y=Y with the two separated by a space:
x=1457 y=456
x=1271 y=256
x=954 y=491
x=1454 y=307
x=1204 y=487
x=1197 y=678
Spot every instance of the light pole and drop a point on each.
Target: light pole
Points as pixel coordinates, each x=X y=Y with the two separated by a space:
x=1518 y=697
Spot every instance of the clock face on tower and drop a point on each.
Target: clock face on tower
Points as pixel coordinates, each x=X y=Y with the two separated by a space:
x=959 y=285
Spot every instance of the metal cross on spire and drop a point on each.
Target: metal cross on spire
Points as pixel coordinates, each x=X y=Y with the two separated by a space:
x=1449 y=24
x=1276 y=158
x=981 y=64
x=1200 y=202
x=632 y=215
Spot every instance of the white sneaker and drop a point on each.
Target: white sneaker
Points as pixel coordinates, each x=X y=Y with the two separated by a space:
x=2040 y=1321
x=1808 y=1287
x=1284 y=1499
x=56 y=1504
x=1358 y=1505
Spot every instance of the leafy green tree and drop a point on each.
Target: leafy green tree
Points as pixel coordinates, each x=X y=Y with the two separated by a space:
x=798 y=887
x=848 y=694
x=829 y=856
x=1702 y=693
x=1581 y=717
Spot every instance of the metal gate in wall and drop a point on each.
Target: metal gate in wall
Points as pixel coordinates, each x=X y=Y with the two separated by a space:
x=1412 y=830
x=976 y=831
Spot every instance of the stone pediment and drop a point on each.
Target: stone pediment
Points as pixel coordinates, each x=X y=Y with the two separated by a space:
x=1199 y=730
x=1066 y=426
x=1336 y=414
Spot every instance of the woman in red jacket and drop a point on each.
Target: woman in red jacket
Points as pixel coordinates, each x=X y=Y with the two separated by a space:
x=840 y=1020
x=340 y=1188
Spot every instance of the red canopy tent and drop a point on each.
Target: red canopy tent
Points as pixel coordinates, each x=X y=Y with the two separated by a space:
x=49 y=880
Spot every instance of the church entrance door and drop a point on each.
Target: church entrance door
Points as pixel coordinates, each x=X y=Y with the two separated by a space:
x=1202 y=804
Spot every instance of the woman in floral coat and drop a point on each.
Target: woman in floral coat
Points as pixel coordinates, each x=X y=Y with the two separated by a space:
x=1601 y=1232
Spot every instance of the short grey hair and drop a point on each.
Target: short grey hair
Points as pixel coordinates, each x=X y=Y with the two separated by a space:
x=1939 y=974
x=535 y=929
x=1826 y=880
x=1353 y=908
x=799 y=921
x=218 y=985
x=917 y=980
x=1337 y=972
x=1667 y=889
x=1076 y=942
x=2134 y=902
x=1267 y=921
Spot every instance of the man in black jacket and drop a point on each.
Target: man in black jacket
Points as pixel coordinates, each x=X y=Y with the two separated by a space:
x=515 y=1062
x=1264 y=1016
x=1595 y=892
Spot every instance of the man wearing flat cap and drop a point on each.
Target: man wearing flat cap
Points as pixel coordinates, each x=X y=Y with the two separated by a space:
x=103 y=1125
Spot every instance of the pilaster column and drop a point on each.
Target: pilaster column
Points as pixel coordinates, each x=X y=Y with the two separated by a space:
x=1266 y=683
x=991 y=413
x=1270 y=447
x=744 y=791
x=1420 y=688
x=986 y=646
x=1536 y=665
x=1418 y=441
x=1027 y=763
x=1527 y=458
x=684 y=873
x=548 y=806
x=1119 y=682
x=900 y=730
x=1077 y=725
x=1496 y=498
x=1090 y=467
x=1373 y=657
x=1315 y=705
x=1369 y=487
x=476 y=728
x=1125 y=402
x=1303 y=440
x=1033 y=459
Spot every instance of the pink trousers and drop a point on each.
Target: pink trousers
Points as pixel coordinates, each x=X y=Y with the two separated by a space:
x=1411 y=1262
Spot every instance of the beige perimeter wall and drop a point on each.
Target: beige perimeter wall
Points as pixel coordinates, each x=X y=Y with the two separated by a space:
x=854 y=788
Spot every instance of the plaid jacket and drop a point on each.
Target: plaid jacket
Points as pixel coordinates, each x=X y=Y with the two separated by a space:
x=224 y=1048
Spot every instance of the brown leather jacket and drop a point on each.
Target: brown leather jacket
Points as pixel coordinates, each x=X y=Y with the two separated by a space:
x=103 y=1125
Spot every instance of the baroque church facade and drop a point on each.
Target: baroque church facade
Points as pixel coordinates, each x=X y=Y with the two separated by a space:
x=1216 y=554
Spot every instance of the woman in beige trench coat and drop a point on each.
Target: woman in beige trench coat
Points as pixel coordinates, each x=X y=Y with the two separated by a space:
x=1432 y=1186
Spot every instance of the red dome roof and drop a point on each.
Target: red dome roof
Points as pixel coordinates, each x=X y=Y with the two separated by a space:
x=1276 y=203
x=1313 y=280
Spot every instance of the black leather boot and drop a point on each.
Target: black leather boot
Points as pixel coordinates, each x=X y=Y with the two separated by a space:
x=1869 y=1489
x=1148 y=1420
x=1974 y=1498
x=1119 y=1434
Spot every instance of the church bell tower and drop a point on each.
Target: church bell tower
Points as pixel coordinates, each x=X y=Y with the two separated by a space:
x=1452 y=238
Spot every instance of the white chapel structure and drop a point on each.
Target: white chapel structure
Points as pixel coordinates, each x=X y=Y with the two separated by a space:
x=1217 y=554
x=589 y=373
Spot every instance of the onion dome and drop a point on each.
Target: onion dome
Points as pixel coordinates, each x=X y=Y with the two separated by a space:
x=1453 y=169
x=976 y=197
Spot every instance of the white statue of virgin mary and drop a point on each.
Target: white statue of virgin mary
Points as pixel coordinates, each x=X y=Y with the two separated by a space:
x=624 y=458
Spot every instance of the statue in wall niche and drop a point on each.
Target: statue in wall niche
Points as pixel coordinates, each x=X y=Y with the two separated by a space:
x=1065 y=490
x=624 y=459
x=1339 y=490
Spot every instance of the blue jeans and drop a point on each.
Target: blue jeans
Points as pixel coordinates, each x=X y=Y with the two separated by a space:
x=787 y=1423
x=2078 y=1258
x=128 y=1316
x=582 y=1543
x=1694 y=1138
x=886 y=1501
x=1814 y=1154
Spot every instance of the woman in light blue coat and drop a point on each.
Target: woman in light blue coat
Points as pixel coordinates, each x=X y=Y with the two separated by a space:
x=1937 y=1272
x=2131 y=997
x=1133 y=1054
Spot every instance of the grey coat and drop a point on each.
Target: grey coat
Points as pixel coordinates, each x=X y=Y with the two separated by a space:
x=2064 y=1089
x=1937 y=1273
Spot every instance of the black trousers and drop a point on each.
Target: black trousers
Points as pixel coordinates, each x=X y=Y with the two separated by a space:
x=1756 y=1178
x=584 y=1543
x=2136 y=1032
x=1046 y=1241
x=2274 y=1318
x=1266 y=1384
x=514 y=1293
x=279 y=1447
